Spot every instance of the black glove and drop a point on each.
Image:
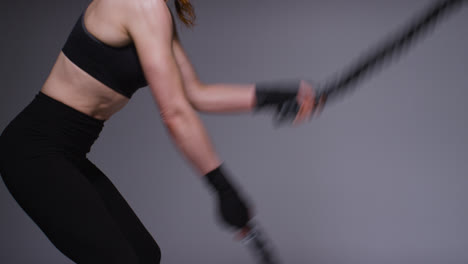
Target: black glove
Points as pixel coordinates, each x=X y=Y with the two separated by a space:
x=282 y=97
x=232 y=207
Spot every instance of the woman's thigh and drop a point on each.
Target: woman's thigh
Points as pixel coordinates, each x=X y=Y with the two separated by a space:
x=130 y=225
x=79 y=210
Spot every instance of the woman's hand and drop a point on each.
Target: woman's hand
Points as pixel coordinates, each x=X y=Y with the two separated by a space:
x=306 y=98
x=233 y=209
x=291 y=100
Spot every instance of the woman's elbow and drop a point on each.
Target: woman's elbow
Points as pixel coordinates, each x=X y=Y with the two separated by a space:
x=171 y=113
x=196 y=95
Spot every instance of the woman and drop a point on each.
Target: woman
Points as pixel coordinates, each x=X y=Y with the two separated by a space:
x=115 y=48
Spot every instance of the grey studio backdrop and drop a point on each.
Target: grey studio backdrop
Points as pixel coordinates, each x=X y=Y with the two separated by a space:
x=380 y=177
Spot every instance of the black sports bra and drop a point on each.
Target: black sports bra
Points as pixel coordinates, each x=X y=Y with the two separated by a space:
x=118 y=68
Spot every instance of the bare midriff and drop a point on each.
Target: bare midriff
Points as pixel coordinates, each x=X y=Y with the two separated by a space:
x=74 y=87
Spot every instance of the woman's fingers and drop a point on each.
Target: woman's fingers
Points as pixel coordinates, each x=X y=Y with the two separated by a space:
x=305 y=98
x=308 y=110
x=303 y=113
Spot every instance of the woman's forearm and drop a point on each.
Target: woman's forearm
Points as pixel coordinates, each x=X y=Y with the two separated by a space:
x=224 y=98
x=191 y=138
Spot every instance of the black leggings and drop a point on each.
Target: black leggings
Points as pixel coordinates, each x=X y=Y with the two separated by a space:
x=44 y=166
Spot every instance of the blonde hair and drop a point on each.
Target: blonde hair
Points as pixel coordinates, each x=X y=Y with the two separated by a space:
x=185 y=12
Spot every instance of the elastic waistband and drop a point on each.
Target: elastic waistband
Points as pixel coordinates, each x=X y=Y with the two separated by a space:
x=47 y=125
x=64 y=107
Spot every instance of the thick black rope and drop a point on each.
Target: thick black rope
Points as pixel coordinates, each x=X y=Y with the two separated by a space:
x=342 y=83
x=260 y=245
x=338 y=85
x=389 y=50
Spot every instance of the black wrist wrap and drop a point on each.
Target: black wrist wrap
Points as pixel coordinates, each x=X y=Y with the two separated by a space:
x=218 y=181
x=275 y=93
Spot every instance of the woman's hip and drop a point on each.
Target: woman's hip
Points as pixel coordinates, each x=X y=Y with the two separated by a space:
x=47 y=126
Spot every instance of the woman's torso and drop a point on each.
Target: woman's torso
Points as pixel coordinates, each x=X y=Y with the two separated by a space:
x=73 y=86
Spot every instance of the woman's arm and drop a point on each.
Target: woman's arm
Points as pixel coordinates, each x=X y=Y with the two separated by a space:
x=223 y=97
x=217 y=97
x=290 y=101
x=150 y=27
